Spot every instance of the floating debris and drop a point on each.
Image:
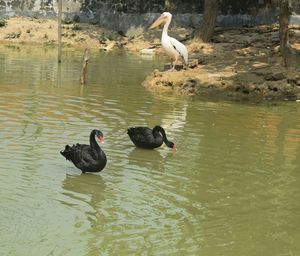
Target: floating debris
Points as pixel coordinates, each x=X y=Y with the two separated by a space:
x=147 y=51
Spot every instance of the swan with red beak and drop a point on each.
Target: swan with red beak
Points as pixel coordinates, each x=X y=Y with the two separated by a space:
x=172 y=47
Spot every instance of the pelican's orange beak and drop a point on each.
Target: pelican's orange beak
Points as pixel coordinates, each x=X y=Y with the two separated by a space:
x=159 y=21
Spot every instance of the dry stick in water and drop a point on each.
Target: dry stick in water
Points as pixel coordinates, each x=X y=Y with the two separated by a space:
x=59 y=16
x=84 y=66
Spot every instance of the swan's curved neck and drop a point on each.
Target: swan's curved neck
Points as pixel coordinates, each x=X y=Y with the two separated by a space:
x=163 y=133
x=94 y=145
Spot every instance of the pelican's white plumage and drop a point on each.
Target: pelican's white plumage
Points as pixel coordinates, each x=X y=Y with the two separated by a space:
x=172 y=47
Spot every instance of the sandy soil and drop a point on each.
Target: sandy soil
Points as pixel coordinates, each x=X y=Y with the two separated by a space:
x=240 y=63
x=44 y=31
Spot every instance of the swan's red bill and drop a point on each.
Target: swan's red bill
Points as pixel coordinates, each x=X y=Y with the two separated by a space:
x=174 y=148
x=101 y=139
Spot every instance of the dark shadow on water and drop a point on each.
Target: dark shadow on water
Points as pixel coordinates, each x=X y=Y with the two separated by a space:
x=91 y=185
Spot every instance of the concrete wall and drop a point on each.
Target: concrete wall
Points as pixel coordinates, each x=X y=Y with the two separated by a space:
x=125 y=14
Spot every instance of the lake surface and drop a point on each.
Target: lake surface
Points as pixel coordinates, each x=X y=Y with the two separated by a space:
x=232 y=188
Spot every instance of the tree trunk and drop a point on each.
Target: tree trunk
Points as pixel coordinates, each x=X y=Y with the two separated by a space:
x=283 y=27
x=169 y=6
x=206 y=30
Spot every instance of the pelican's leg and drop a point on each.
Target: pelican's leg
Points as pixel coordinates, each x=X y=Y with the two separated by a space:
x=173 y=64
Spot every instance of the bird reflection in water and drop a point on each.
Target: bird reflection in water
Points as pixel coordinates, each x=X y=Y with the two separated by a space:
x=90 y=189
x=149 y=159
x=91 y=186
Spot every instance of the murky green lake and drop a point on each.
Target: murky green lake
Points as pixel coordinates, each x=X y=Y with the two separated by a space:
x=232 y=188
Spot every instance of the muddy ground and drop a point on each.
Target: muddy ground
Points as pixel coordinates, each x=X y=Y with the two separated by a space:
x=240 y=63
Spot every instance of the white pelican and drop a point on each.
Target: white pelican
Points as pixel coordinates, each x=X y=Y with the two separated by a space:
x=172 y=47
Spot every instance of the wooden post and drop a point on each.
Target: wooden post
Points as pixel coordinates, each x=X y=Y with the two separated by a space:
x=58 y=80
x=283 y=28
x=59 y=17
x=84 y=66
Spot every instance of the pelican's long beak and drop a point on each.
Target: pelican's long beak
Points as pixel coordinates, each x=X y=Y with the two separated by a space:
x=156 y=23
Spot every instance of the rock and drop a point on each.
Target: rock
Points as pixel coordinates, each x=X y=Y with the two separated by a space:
x=80 y=39
x=262 y=72
x=273 y=87
x=77 y=27
x=120 y=45
x=112 y=36
x=157 y=73
x=102 y=38
x=76 y=18
x=189 y=85
x=294 y=81
x=274 y=77
x=110 y=46
x=66 y=19
x=13 y=35
x=193 y=63
x=147 y=51
x=135 y=31
x=3 y=22
x=121 y=33
x=202 y=62
x=94 y=21
x=218 y=39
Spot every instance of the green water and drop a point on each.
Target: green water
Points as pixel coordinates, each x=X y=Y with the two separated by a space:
x=232 y=188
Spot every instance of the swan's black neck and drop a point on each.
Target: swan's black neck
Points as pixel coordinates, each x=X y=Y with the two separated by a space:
x=161 y=130
x=96 y=150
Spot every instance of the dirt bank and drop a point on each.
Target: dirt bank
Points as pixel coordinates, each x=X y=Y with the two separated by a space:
x=240 y=63
x=44 y=31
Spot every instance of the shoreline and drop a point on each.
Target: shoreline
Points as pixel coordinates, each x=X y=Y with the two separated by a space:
x=239 y=64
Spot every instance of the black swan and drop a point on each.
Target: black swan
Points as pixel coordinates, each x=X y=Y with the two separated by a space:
x=87 y=158
x=144 y=137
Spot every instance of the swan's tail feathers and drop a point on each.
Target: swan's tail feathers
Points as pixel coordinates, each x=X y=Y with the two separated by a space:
x=130 y=130
x=67 y=153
